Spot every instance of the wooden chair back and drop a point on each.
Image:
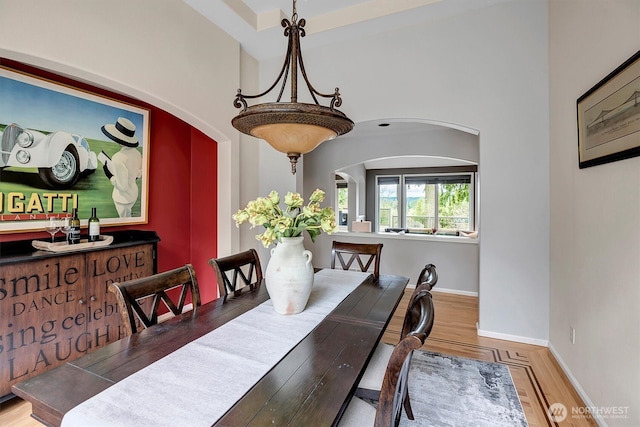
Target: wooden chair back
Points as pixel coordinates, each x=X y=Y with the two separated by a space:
x=364 y=253
x=426 y=281
x=235 y=272
x=428 y=277
x=140 y=299
x=395 y=392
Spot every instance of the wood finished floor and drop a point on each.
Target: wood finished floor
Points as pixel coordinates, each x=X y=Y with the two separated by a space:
x=538 y=378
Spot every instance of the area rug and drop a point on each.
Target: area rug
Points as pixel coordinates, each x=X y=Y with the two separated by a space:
x=453 y=391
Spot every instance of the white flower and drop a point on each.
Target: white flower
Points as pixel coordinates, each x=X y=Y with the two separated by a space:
x=293 y=221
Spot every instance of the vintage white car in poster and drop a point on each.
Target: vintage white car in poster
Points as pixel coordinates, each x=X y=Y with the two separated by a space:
x=61 y=157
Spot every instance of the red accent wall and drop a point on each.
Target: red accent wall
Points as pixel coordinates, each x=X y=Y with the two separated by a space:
x=182 y=188
x=204 y=231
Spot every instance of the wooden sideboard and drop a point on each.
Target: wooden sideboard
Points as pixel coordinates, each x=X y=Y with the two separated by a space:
x=55 y=307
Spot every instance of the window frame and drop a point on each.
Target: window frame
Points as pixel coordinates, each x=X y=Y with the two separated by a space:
x=373 y=176
x=436 y=177
x=377 y=200
x=340 y=183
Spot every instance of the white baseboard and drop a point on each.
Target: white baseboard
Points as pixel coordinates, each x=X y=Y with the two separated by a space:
x=454 y=291
x=577 y=386
x=489 y=334
x=169 y=315
x=515 y=338
x=447 y=291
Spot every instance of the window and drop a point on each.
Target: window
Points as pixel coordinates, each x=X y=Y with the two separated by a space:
x=435 y=202
x=426 y=203
x=388 y=194
x=342 y=202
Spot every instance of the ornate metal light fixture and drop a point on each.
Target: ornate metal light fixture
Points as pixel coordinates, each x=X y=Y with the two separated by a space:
x=293 y=128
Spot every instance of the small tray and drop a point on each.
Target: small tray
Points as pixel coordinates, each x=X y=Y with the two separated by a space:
x=65 y=247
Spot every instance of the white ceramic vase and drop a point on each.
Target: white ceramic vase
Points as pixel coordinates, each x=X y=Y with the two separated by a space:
x=289 y=276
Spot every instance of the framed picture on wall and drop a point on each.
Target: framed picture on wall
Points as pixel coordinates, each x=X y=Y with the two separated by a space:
x=609 y=117
x=65 y=148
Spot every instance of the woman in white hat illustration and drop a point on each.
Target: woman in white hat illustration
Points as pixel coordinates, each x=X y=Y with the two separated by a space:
x=125 y=166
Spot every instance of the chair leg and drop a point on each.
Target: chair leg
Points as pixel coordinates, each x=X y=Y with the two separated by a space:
x=407 y=406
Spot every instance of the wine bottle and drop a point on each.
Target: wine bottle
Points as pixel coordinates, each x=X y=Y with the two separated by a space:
x=74 y=236
x=94 y=226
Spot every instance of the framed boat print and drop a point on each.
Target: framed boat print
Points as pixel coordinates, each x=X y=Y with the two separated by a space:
x=609 y=117
x=65 y=148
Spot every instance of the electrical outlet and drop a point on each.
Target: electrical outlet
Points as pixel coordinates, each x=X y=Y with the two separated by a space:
x=572 y=337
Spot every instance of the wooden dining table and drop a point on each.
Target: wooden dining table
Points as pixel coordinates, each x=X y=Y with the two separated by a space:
x=311 y=385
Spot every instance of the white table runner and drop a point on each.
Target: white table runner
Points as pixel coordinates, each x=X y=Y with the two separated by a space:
x=198 y=383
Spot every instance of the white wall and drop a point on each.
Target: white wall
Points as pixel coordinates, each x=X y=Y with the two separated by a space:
x=356 y=177
x=595 y=226
x=485 y=70
x=353 y=149
x=249 y=155
x=159 y=51
x=456 y=258
x=457 y=263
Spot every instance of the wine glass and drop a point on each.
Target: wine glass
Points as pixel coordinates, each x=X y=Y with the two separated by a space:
x=53 y=226
x=66 y=227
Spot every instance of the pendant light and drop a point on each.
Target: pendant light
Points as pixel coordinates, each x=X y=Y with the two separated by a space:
x=293 y=128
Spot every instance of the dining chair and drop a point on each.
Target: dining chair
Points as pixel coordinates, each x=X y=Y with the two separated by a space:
x=419 y=316
x=244 y=266
x=394 y=391
x=365 y=254
x=139 y=300
x=428 y=277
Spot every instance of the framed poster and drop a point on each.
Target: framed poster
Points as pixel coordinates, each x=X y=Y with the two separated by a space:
x=64 y=148
x=609 y=117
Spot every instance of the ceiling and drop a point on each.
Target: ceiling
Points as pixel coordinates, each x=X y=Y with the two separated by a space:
x=396 y=129
x=256 y=23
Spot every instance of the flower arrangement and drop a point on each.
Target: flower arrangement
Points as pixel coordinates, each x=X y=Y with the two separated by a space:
x=290 y=222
